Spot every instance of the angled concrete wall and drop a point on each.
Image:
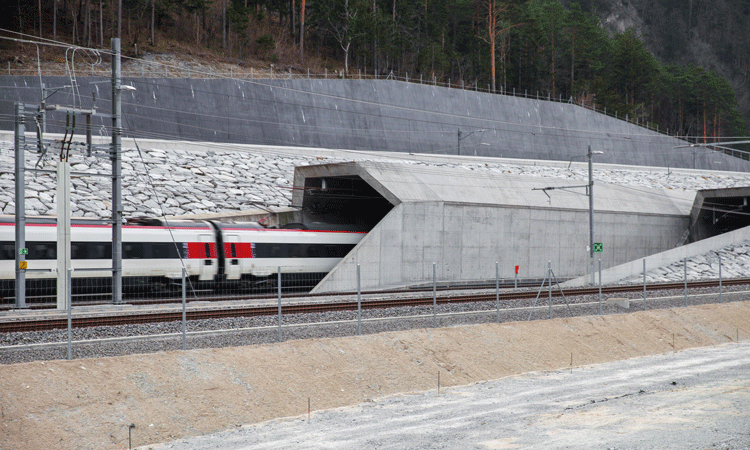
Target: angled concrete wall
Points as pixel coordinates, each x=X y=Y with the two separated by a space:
x=466 y=240
x=635 y=267
x=362 y=115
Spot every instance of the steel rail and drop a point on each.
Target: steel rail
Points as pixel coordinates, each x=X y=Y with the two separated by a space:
x=118 y=317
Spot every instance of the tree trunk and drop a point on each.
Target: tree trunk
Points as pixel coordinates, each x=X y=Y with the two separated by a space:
x=302 y=33
x=88 y=23
x=153 y=39
x=554 y=68
x=293 y=24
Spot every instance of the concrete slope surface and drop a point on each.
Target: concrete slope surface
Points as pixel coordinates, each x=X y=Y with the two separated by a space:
x=694 y=399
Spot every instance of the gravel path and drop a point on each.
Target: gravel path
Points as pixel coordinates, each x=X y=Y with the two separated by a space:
x=102 y=341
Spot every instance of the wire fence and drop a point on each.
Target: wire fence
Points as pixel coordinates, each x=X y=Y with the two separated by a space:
x=189 y=313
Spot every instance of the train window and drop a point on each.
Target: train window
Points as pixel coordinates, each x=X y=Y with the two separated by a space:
x=163 y=250
x=301 y=250
x=100 y=250
x=233 y=250
x=79 y=250
x=91 y=250
x=207 y=247
x=42 y=250
x=7 y=250
x=297 y=250
x=132 y=250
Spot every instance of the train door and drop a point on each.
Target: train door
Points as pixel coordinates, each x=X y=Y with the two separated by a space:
x=233 y=269
x=209 y=265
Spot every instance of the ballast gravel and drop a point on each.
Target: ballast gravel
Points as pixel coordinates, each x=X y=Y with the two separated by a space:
x=102 y=341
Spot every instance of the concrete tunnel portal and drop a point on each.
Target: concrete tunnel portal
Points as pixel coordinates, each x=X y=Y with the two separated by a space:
x=345 y=201
x=466 y=221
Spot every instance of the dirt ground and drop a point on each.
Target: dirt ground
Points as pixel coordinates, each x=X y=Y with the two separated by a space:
x=90 y=403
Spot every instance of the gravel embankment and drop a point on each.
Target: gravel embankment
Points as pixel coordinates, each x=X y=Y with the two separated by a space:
x=90 y=342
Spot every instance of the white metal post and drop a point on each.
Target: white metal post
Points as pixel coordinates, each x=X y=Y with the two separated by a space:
x=279 y=294
x=63 y=230
x=591 y=216
x=184 y=310
x=69 y=275
x=497 y=289
x=359 y=303
x=116 y=158
x=434 y=297
x=20 y=172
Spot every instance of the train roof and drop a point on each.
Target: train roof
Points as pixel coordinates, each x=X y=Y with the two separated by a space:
x=52 y=220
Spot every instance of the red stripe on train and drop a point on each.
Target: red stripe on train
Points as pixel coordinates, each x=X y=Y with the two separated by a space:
x=197 y=250
x=241 y=250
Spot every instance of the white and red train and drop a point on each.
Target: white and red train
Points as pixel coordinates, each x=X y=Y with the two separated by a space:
x=215 y=255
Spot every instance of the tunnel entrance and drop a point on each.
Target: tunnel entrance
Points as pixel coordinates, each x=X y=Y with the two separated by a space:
x=346 y=201
x=719 y=211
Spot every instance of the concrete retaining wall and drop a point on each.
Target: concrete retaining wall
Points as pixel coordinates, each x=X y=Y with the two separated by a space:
x=466 y=240
x=362 y=115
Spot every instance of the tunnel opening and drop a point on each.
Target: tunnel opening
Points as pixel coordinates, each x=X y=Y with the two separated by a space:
x=346 y=202
x=719 y=211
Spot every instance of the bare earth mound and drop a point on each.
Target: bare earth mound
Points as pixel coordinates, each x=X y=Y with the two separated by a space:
x=89 y=403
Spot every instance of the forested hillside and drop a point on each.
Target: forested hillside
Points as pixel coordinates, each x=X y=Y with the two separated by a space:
x=672 y=63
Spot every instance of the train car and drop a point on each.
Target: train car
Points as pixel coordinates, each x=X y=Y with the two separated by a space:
x=253 y=255
x=152 y=255
x=215 y=255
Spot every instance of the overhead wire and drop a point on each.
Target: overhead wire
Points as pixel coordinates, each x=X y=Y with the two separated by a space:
x=393 y=107
x=318 y=129
x=335 y=97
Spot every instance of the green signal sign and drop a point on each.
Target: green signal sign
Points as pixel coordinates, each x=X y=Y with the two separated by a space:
x=23 y=251
x=598 y=247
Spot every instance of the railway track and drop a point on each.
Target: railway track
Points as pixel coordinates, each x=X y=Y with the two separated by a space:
x=119 y=317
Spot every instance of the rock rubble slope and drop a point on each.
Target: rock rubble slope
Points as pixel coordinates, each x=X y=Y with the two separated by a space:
x=219 y=179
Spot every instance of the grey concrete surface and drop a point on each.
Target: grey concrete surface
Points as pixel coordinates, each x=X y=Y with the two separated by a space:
x=466 y=222
x=693 y=399
x=634 y=267
x=375 y=115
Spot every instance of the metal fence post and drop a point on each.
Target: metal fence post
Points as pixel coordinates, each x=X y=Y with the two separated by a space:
x=600 y=285
x=497 y=289
x=279 y=292
x=184 y=310
x=644 y=284
x=359 y=303
x=684 y=264
x=69 y=294
x=549 y=287
x=434 y=296
x=720 y=286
